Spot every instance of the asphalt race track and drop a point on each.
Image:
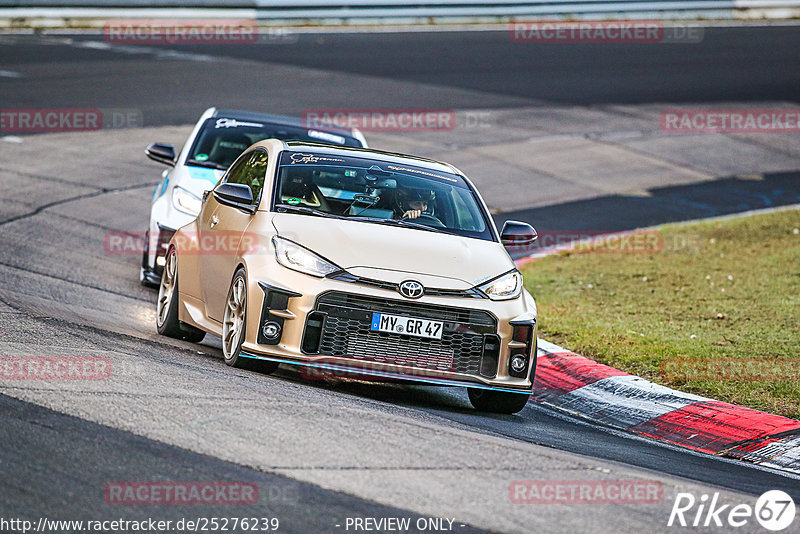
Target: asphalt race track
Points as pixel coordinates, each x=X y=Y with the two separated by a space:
x=324 y=451
x=481 y=69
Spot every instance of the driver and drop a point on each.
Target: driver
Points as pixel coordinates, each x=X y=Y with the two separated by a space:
x=414 y=202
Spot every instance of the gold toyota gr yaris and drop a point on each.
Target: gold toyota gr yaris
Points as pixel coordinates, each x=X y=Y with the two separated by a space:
x=355 y=260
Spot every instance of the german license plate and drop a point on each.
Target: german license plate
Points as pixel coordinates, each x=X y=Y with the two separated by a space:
x=409 y=326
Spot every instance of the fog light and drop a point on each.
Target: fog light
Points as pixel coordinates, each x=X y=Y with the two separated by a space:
x=271 y=330
x=518 y=363
x=161 y=261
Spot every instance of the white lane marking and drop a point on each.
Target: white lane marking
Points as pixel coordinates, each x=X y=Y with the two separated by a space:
x=10 y=74
x=95 y=45
x=174 y=54
x=790 y=459
x=550 y=347
x=624 y=401
x=137 y=50
x=11 y=139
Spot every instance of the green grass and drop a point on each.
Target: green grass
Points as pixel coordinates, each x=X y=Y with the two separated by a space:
x=719 y=290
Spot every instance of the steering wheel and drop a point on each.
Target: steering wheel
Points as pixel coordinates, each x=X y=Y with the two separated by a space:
x=424 y=218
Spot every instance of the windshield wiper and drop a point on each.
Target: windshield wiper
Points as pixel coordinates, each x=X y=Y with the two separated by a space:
x=307 y=211
x=391 y=222
x=402 y=222
x=206 y=164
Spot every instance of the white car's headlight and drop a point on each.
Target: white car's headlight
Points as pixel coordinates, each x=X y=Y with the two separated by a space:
x=293 y=256
x=506 y=287
x=185 y=201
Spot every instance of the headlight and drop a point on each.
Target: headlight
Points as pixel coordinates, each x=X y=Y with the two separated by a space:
x=185 y=201
x=506 y=287
x=293 y=256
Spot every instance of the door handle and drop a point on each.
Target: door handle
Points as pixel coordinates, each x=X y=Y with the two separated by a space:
x=214 y=221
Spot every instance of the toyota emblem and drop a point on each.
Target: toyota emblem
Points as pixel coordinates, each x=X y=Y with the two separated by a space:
x=411 y=289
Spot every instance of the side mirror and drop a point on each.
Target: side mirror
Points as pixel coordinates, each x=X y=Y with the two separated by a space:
x=235 y=195
x=518 y=237
x=161 y=153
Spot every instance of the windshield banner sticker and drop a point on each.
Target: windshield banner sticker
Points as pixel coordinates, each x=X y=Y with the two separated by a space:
x=299 y=157
x=233 y=123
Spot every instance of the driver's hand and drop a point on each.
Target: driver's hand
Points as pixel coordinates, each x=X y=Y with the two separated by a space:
x=412 y=214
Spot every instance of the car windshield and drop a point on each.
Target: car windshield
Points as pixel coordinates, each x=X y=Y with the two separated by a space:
x=379 y=192
x=222 y=140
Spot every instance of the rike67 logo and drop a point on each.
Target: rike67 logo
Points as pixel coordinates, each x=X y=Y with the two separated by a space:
x=774 y=511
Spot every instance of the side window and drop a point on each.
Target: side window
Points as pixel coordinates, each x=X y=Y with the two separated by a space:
x=251 y=171
x=467 y=219
x=235 y=171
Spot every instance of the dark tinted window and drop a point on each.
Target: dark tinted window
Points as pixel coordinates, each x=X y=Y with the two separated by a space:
x=379 y=192
x=251 y=171
x=221 y=140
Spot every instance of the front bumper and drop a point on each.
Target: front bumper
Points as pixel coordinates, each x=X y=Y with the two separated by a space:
x=155 y=251
x=328 y=327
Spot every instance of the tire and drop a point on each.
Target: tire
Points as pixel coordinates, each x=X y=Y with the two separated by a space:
x=167 y=321
x=234 y=327
x=486 y=400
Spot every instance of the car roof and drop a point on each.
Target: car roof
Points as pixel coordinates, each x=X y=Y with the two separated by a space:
x=393 y=157
x=272 y=118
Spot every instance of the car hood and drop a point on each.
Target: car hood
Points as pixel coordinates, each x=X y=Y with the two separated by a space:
x=394 y=254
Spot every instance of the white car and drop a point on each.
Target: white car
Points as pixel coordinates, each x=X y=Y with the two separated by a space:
x=218 y=138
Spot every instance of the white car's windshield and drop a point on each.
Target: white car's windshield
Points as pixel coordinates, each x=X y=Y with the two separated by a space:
x=379 y=192
x=222 y=140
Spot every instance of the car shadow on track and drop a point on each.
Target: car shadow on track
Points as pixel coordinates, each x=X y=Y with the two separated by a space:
x=391 y=392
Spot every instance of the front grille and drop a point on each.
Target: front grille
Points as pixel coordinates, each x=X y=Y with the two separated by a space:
x=344 y=276
x=346 y=334
x=476 y=318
